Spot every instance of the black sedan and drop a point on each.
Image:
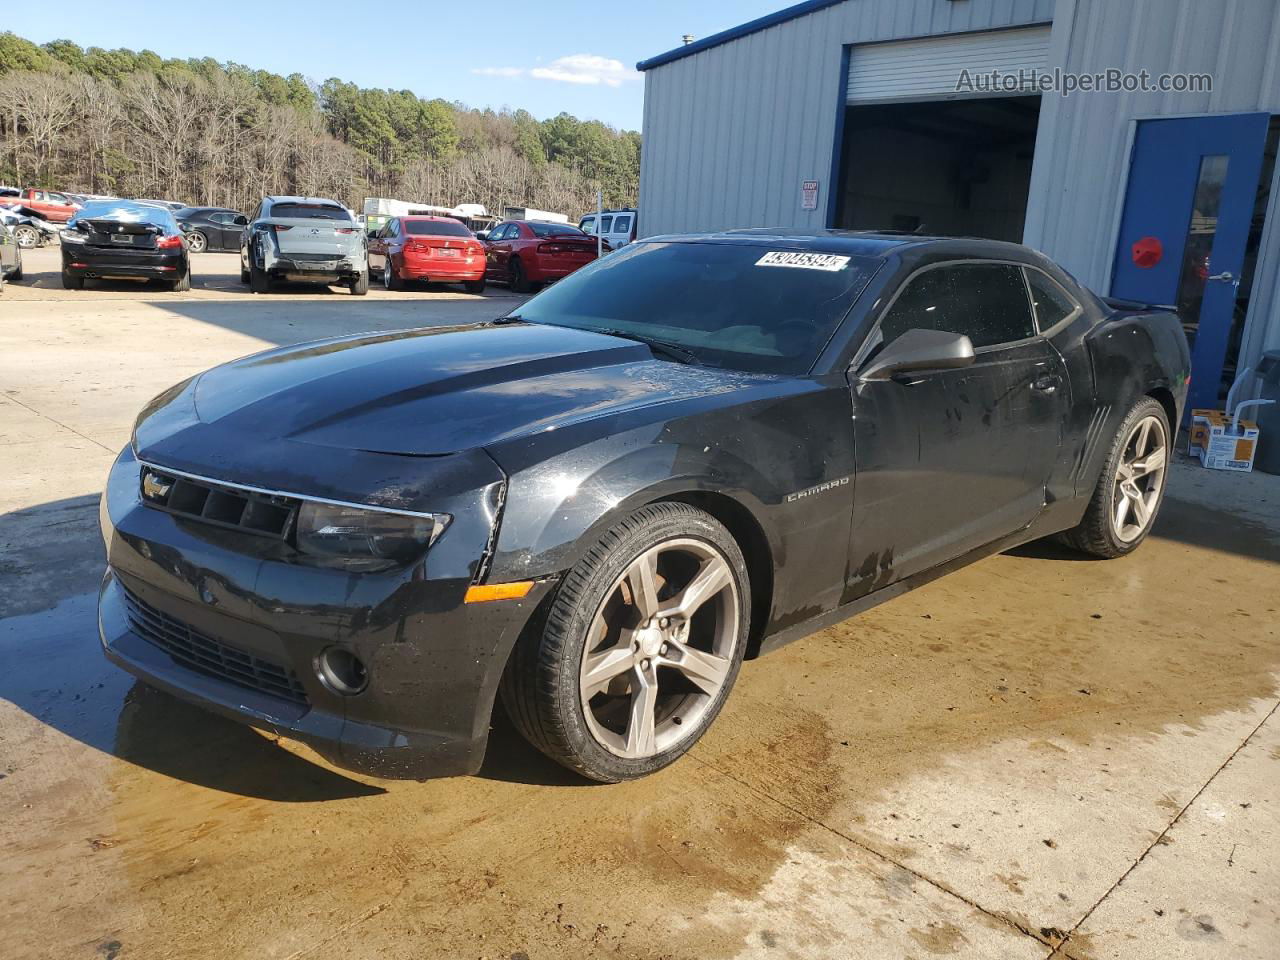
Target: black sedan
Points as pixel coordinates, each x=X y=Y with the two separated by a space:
x=695 y=449
x=124 y=240
x=212 y=228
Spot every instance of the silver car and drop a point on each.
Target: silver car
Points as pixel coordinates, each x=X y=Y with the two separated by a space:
x=10 y=255
x=306 y=239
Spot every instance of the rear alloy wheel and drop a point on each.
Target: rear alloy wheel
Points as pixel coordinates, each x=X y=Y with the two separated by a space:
x=197 y=242
x=519 y=279
x=1131 y=488
x=360 y=285
x=640 y=648
x=26 y=236
x=390 y=278
x=70 y=282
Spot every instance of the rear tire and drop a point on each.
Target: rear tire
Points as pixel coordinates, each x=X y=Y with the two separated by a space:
x=259 y=279
x=390 y=277
x=474 y=286
x=183 y=283
x=197 y=242
x=360 y=285
x=639 y=707
x=1131 y=487
x=519 y=279
x=71 y=283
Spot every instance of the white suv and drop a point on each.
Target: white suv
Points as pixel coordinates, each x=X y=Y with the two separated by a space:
x=616 y=226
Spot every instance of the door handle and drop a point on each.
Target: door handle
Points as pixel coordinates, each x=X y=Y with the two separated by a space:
x=1045 y=383
x=1224 y=277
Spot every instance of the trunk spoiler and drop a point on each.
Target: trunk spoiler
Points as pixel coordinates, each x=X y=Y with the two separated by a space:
x=1137 y=306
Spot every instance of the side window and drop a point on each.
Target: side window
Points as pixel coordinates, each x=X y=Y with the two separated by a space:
x=223 y=219
x=588 y=226
x=606 y=224
x=622 y=225
x=1052 y=303
x=987 y=302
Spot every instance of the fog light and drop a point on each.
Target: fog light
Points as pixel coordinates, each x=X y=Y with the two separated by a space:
x=342 y=671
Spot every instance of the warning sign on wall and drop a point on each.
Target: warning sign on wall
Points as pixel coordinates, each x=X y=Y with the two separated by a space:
x=808 y=194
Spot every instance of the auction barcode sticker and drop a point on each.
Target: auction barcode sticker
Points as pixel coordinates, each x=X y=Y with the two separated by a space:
x=803 y=261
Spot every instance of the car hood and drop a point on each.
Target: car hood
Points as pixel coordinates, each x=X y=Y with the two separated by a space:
x=427 y=392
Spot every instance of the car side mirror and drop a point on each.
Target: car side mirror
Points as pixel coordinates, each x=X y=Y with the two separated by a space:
x=918 y=350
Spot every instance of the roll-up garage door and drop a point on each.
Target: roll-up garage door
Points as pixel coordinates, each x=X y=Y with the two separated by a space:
x=928 y=69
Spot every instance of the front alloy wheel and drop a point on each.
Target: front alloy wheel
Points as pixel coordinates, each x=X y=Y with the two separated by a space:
x=639 y=649
x=26 y=236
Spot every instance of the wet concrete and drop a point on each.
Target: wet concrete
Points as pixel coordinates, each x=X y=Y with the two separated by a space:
x=969 y=770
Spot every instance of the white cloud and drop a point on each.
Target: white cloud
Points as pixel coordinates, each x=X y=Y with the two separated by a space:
x=585 y=68
x=497 y=71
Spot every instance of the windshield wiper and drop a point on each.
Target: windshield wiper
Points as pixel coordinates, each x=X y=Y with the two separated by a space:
x=668 y=349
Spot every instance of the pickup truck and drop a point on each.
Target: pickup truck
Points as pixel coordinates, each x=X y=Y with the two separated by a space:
x=49 y=204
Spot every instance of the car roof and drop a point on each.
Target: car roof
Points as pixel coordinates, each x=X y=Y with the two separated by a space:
x=867 y=243
x=429 y=217
x=283 y=199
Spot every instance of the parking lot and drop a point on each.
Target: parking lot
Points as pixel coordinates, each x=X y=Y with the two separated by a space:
x=1040 y=756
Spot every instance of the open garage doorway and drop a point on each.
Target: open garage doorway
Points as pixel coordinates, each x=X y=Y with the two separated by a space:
x=948 y=167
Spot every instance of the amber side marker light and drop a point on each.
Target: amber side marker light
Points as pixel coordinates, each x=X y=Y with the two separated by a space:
x=498 y=591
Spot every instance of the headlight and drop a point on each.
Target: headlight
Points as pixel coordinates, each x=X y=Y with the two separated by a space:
x=353 y=533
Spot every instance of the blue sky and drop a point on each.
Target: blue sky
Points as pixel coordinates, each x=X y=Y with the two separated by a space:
x=572 y=55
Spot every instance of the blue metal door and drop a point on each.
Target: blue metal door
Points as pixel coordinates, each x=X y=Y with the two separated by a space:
x=1187 y=211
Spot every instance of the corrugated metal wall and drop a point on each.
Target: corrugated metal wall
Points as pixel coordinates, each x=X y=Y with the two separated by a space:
x=1082 y=153
x=730 y=132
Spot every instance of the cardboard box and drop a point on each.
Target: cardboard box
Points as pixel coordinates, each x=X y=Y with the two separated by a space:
x=1218 y=446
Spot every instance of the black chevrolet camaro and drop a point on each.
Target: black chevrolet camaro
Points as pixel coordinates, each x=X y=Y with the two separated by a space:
x=691 y=451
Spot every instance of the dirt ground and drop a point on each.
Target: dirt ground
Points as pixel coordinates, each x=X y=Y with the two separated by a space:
x=1040 y=756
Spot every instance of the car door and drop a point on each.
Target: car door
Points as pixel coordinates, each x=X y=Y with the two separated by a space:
x=498 y=250
x=378 y=248
x=621 y=234
x=950 y=460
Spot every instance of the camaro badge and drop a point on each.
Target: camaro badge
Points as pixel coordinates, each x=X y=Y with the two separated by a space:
x=820 y=488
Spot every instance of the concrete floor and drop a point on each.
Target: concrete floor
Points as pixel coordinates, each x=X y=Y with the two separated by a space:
x=1040 y=756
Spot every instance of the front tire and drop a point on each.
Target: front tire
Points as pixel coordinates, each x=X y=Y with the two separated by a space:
x=26 y=237
x=640 y=647
x=1131 y=488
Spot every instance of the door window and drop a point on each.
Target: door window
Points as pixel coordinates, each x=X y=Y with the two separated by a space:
x=1052 y=304
x=588 y=226
x=622 y=225
x=987 y=302
x=606 y=224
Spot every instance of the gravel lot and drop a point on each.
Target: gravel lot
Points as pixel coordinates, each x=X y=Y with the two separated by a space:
x=1037 y=757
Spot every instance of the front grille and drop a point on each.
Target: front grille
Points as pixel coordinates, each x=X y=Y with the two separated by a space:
x=191 y=648
x=261 y=513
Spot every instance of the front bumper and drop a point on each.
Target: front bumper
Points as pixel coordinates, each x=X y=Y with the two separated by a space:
x=433 y=662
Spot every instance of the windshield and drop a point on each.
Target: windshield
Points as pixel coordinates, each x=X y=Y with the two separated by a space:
x=551 y=229
x=743 y=306
x=436 y=228
x=127 y=211
x=308 y=211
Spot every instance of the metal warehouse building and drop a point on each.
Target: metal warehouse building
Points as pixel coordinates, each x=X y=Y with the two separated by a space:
x=882 y=114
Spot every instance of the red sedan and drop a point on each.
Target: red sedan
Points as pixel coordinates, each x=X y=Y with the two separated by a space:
x=438 y=249
x=529 y=253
